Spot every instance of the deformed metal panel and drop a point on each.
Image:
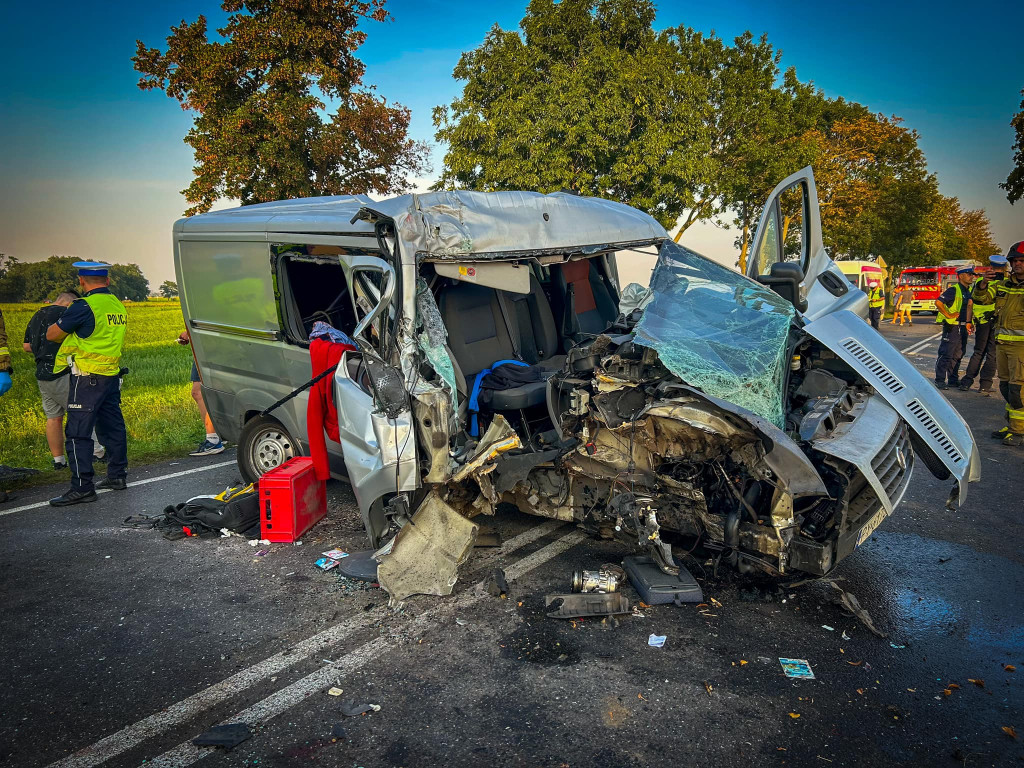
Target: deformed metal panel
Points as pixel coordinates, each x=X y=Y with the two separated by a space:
x=427 y=552
x=871 y=443
x=913 y=397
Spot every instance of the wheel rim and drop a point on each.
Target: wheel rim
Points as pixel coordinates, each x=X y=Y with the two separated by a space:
x=271 y=448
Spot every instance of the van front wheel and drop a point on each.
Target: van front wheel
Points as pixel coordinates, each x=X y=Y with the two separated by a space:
x=263 y=445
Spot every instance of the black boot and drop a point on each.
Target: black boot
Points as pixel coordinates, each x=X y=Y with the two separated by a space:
x=113 y=483
x=74 y=496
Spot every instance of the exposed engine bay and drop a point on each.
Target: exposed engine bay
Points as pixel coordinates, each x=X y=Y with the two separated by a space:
x=756 y=422
x=637 y=455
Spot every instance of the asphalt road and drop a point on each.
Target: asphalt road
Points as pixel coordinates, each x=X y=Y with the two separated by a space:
x=120 y=646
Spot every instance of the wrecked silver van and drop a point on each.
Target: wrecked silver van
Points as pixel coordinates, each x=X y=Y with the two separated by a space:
x=756 y=418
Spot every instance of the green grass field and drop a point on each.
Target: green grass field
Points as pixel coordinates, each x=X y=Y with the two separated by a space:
x=162 y=420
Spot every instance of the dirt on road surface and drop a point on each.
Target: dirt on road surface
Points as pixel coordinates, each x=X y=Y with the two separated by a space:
x=122 y=646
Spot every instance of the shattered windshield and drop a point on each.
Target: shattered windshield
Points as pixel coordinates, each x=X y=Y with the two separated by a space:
x=718 y=331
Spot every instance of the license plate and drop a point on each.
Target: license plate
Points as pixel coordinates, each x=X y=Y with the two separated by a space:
x=870 y=525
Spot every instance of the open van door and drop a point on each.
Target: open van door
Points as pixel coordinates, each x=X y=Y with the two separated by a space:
x=374 y=418
x=788 y=253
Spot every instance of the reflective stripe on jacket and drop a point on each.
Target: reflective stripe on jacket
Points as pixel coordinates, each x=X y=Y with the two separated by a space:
x=958 y=304
x=1008 y=297
x=100 y=352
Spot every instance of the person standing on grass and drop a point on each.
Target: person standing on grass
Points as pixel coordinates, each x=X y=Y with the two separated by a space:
x=92 y=332
x=5 y=358
x=53 y=387
x=212 y=444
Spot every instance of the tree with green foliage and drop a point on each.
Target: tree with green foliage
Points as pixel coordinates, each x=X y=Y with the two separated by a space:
x=755 y=125
x=588 y=99
x=169 y=289
x=128 y=282
x=1014 y=184
x=38 y=281
x=258 y=93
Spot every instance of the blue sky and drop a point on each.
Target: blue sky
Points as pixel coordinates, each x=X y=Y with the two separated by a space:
x=93 y=167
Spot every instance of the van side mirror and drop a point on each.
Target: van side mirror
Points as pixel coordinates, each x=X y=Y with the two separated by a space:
x=784 y=278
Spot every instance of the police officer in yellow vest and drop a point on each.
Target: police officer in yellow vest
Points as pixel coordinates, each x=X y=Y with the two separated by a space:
x=952 y=308
x=92 y=332
x=876 y=301
x=1008 y=296
x=983 y=359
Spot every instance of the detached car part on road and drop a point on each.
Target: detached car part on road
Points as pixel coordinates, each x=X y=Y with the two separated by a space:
x=756 y=418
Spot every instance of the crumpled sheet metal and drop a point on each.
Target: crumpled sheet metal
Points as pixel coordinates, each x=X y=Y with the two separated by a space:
x=454 y=224
x=427 y=552
x=718 y=331
x=499 y=438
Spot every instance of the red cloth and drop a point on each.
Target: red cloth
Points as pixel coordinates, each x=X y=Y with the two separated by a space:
x=321 y=413
x=577 y=274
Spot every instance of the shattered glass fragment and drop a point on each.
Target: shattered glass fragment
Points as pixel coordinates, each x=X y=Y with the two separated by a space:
x=433 y=337
x=717 y=330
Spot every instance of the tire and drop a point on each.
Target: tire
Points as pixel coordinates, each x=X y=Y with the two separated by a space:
x=263 y=445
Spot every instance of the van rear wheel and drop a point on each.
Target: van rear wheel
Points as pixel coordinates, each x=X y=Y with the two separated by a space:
x=264 y=444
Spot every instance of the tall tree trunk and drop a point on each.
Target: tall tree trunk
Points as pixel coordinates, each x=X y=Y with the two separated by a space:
x=744 y=245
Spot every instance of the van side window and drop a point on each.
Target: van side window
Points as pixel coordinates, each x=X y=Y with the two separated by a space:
x=311 y=286
x=229 y=284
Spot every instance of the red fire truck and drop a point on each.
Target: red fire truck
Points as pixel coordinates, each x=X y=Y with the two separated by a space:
x=927 y=284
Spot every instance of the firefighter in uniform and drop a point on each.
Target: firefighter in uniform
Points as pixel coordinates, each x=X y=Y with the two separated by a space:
x=983 y=360
x=91 y=332
x=951 y=311
x=1008 y=296
x=876 y=301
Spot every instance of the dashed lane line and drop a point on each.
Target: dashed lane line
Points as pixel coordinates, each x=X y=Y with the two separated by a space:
x=186 y=753
x=918 y=346
x=183 y=711
x=132 y=484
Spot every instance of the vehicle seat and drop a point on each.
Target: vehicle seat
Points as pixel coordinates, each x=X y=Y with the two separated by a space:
x=479 y=336
x=588 y=305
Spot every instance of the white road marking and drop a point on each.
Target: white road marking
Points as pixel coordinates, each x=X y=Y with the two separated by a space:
x=181 y=712
x=132 y=484
x=917 y=346
x=186 y=753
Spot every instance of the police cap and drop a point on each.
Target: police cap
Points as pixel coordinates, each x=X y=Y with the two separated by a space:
x=91 y=268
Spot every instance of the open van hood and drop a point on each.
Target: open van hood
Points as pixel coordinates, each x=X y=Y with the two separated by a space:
x=929 y=414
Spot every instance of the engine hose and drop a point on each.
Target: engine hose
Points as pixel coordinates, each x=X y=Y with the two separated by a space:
x=732 y=540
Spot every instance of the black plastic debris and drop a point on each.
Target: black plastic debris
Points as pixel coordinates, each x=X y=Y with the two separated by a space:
x=487 y=539
x=583 y=605
x=656 y=587
x=359 y=565
x=496 y=584
x=226 y=736
x=338 y=731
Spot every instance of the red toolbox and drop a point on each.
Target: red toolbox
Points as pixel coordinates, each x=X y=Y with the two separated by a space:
x=292 y=500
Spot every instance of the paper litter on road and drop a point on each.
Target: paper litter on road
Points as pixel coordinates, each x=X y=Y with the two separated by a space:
x=797 y=668
x=326 y=563
x=657 y=641
x=335 y=554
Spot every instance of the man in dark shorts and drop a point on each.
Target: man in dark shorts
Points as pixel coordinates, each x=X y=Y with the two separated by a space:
x=212 y=444
x=53 y=387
